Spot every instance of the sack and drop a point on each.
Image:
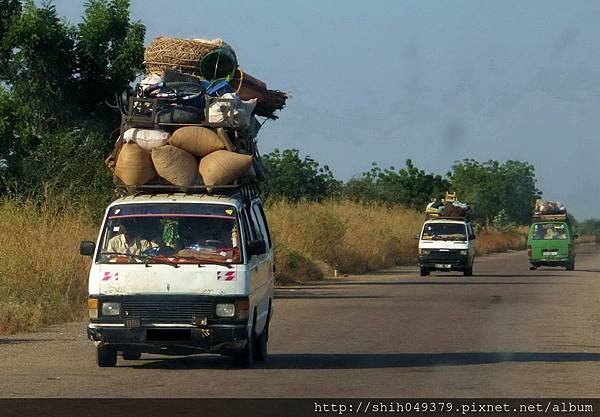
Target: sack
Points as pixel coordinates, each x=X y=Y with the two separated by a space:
x=147 y=139
x=198 y=141
x=225 y=139
x=175 y=165
x=134 y=165
x=180 y=115
x=450 y=210
x=224 y=167
x=231 y=111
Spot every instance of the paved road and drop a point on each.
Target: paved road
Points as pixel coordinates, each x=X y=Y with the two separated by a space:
x=506 y=332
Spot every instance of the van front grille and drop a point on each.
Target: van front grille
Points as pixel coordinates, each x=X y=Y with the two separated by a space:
x=449 y=255
x=167 y=311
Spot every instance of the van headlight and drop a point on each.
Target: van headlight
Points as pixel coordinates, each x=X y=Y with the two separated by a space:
x=425 y=251
x=464 y=252
x=225 y=310
x=111 y=309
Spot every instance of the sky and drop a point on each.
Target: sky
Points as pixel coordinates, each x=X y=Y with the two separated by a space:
x=433 y=81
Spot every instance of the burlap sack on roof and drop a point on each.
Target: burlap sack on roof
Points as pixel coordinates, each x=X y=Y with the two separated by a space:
x=134 y=165
x=224 y=167
x=175 y=165
x=199 y=141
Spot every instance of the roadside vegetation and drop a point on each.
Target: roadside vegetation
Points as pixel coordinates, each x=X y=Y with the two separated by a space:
x=42 y=276
x=43 y=279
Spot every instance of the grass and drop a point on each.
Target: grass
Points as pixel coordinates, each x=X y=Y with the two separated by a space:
x=491 y=240
x=43 y=279
x=313 y=239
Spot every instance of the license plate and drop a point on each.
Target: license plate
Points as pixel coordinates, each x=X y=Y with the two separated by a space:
x=552 y=253
x=444 y=266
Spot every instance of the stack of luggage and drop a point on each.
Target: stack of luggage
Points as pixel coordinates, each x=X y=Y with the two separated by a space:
x=543 y=207
x=192 y=120
x=448 y=207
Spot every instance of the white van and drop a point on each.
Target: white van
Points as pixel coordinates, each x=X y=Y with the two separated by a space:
x=446 y=245
x=181 y=274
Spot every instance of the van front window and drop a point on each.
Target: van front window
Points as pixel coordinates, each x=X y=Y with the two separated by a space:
x=444 y=231
x=171 y=233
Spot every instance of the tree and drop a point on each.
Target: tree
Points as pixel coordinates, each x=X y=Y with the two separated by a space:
x=495 y=189
x=55 y=83
x=294 y=179
x=408 y=186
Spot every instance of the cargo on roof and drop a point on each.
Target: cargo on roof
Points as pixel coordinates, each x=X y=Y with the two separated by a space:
x=192 y=120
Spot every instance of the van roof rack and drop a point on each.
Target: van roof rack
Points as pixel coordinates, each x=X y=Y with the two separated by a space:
x=247 y=189
x=434 y=216
x=555 y=216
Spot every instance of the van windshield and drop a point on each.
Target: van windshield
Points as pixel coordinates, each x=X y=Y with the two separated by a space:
x=171 y=233
x=444 y=231
x=549 y=231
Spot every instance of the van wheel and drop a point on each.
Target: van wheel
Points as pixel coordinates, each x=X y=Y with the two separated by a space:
x=424 y=272
x=571 y=266
x=132 y=355
x=468 y=272
x=260 y=347
x=245 y=357
x=106 y=356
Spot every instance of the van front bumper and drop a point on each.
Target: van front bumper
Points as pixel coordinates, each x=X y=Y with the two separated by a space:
x=549 y=261
x=446 y=263
x=176 y=339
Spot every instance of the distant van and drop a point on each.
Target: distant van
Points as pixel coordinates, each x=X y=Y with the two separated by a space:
x=551 y=242
x=447 y=245
x=180 y=274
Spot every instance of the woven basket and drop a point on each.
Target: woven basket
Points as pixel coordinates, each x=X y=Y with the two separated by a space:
x=177 y=54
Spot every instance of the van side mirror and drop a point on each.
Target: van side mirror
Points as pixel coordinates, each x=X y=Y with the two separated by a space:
x=417 y=236
x=257 y=247
x=87 y=248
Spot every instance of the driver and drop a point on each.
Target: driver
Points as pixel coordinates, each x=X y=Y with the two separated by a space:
x=126 y=243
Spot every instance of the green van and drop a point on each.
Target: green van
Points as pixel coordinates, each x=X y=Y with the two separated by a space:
x=551 y=242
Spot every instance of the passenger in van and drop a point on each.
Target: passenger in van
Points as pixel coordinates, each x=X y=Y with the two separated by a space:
x=211 y=237
x=126 y=243
x=539 y=233
x=550 y=234
x=560 y=234
x=208 y=233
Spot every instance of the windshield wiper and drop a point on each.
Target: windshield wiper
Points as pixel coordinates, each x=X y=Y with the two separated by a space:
x=143 y=258
x=162 y=261
x=134 y=255
x=200 y=262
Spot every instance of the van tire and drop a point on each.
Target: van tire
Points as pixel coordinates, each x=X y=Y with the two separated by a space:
x=261 y=350
x=468 y=272
x=245 y=357
x=132 y=355
x=424 y=272
x=571 y=266
x=106 y=356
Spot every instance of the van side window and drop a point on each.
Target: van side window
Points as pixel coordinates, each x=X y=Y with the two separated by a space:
x=471 y=232
x=265 y=223
x=256 y=224
x=248 y=232
x=259 y=219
